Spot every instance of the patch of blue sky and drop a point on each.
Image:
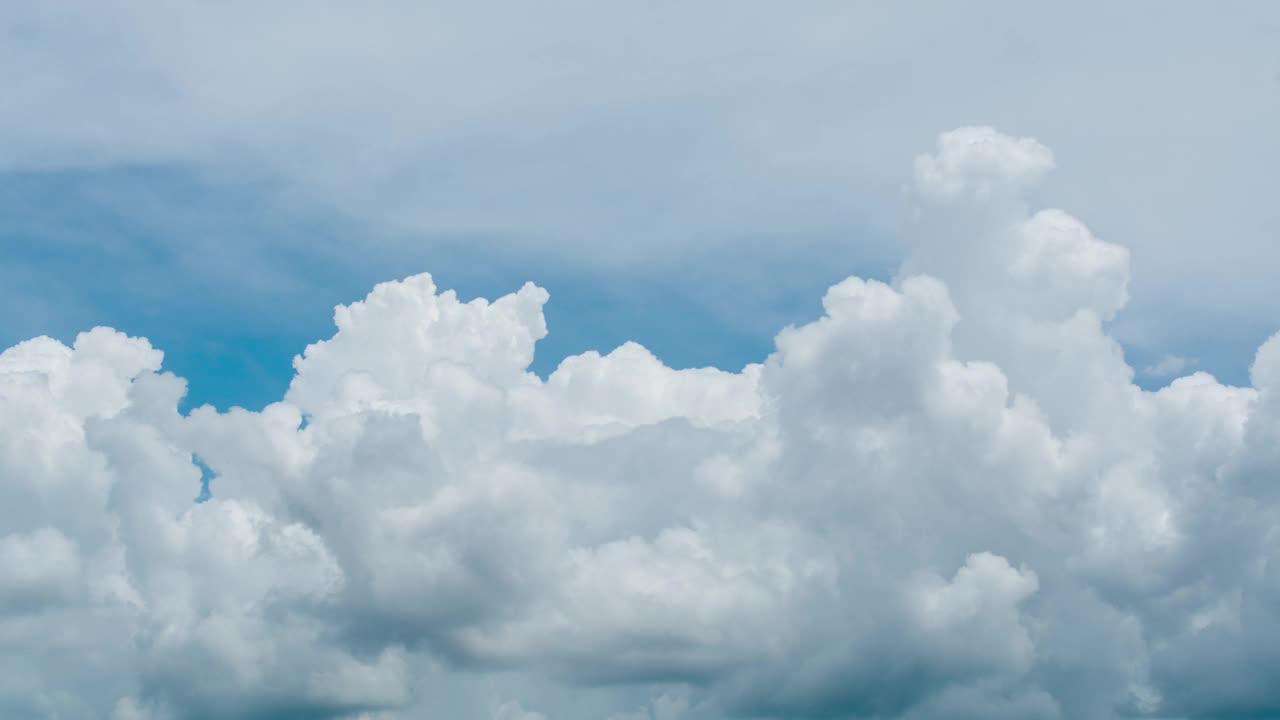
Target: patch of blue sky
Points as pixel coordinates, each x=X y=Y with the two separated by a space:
x=231 y=282
x=207 y=476
x=231 y=285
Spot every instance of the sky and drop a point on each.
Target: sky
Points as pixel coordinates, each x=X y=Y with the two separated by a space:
x=639 y=362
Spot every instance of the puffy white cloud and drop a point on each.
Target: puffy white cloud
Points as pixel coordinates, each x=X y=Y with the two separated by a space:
x=944 y=498
x=978 y=163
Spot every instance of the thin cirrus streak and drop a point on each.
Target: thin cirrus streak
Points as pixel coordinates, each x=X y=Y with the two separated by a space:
x=945 y=498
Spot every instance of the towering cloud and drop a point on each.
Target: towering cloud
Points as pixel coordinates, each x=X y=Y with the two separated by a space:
x=945 y=498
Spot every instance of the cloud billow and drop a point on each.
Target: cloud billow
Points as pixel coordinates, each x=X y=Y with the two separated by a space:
x=945 y=498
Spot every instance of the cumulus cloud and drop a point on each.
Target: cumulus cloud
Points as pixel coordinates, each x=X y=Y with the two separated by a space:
x=1169 y=366
x=944 y=498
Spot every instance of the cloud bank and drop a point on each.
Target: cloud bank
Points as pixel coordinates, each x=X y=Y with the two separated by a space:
x=944 y=498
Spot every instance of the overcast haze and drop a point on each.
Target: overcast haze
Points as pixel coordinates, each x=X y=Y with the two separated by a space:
x=843 y=360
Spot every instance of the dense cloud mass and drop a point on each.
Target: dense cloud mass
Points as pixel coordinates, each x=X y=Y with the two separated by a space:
x=944 y=498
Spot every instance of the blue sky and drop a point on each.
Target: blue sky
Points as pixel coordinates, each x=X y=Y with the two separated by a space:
x=231 y=286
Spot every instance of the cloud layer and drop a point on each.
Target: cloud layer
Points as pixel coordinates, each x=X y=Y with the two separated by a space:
x=945 y=498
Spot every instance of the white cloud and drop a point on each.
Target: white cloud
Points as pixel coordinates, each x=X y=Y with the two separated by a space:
x=978 y=163
x=943 y=498
x=1169 y=366
x=513 y=711
x=40 y=568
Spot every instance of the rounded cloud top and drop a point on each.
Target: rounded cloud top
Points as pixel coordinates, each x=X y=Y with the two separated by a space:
x=981 y=163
